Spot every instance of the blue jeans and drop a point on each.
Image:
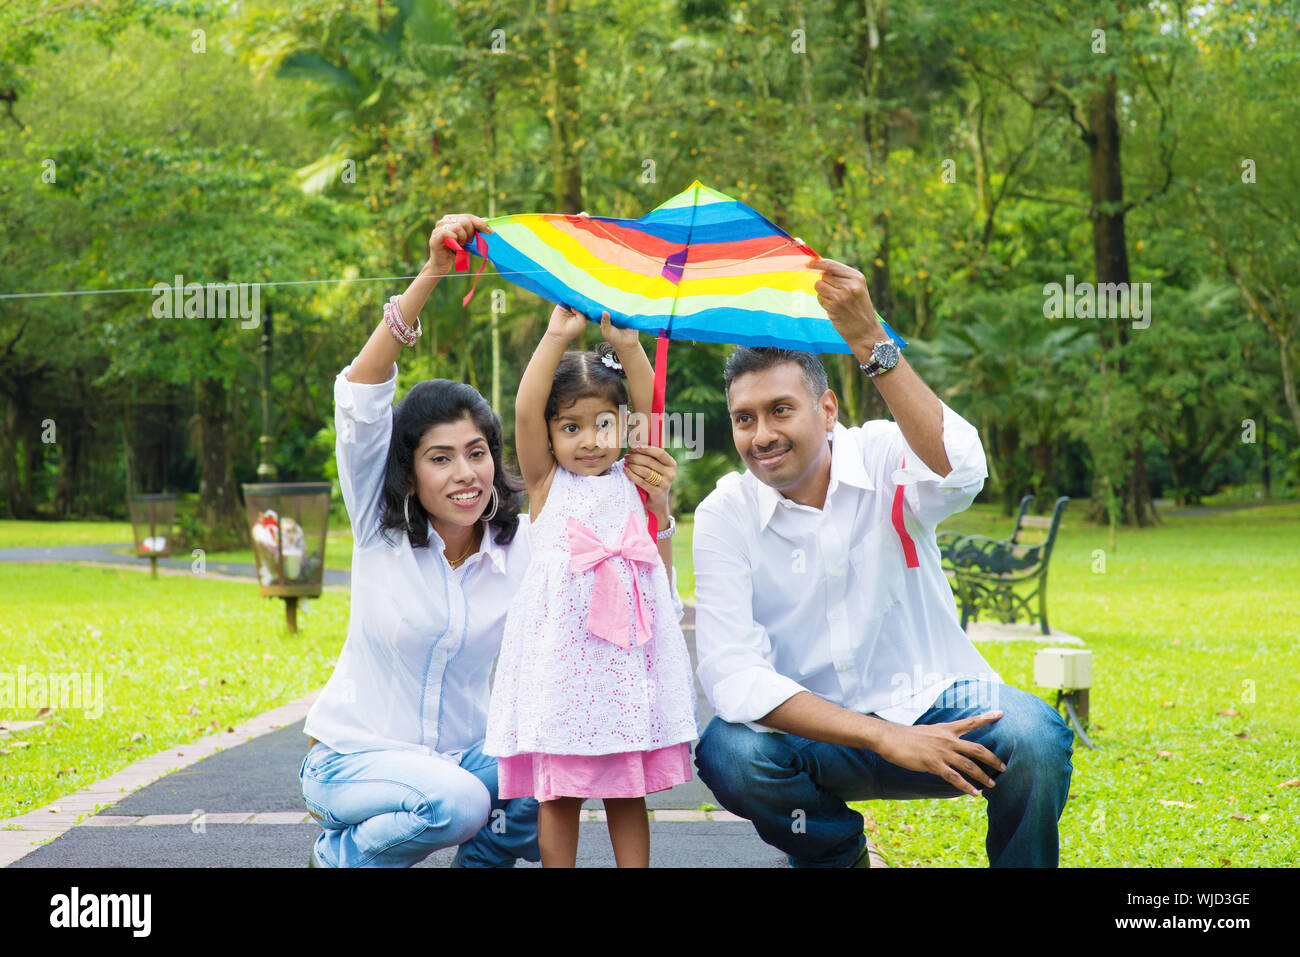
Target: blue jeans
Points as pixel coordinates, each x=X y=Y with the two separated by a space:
x=794 y=789
x=395 y=808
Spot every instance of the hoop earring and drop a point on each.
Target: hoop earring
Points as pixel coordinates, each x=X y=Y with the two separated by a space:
x=406 y=510
x=496 y=501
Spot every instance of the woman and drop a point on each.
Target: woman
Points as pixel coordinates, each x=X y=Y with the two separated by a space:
x=395 y=768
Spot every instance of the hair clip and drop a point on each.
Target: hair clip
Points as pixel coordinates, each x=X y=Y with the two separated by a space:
x=612 y=362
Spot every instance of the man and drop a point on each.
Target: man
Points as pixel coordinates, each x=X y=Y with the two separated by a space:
x=827 y=635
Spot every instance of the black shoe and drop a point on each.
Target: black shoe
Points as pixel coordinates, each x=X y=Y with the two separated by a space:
x=865 y=858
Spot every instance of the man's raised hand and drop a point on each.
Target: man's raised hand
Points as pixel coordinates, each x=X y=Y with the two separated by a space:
x=842 y=292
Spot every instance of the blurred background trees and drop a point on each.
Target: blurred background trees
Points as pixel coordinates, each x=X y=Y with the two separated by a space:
x=962 y=154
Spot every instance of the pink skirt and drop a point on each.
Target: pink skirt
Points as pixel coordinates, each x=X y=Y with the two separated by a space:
x=624 y=775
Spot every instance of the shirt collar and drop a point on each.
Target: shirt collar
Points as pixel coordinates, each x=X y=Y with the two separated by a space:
x=846 y=466
x=495 y=553
x=488 y=548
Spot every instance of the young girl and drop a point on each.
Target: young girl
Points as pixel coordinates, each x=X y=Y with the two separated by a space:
x=594 y=694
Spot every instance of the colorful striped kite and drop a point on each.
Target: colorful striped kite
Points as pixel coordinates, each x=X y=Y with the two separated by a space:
x=701 y=267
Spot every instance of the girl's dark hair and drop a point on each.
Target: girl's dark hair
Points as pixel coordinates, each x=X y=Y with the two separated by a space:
x=583 y=374
x=435 y=402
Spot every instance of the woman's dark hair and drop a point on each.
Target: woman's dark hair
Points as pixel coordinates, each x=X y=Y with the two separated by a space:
x=583 y=374
x=435 y=402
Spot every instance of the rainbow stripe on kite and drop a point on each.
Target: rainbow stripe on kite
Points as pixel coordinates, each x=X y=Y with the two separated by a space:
x=701 y=267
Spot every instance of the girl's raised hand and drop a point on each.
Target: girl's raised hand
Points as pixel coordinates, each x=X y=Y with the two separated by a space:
x=565 y=323
x=620 y=339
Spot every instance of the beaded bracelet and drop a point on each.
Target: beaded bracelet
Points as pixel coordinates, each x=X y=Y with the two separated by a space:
x=394 y=325
x=402 y=332
x=397 y=324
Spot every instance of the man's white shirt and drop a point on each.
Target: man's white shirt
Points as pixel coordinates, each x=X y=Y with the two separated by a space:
x=791 y=598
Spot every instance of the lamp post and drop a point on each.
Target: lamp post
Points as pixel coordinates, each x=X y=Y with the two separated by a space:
x=266 y=472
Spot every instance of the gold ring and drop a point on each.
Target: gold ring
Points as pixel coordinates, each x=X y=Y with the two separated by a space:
x=655 y=479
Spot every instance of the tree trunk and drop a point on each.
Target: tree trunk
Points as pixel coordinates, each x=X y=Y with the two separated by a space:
x=219 y=506
x=1110 y=253
x=851 y=379
x=979 y=153
x=128 y=457
x=490 y=151
x=13 y=478
x=1288 y=383
x=1264 y=472
x=1009 y=441
x=1044 y=462
x=875 y=132
x=70 y=440
x=853 y=407
x=562 y=103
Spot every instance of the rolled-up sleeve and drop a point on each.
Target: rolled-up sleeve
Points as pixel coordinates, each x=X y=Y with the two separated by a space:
x=733 y=650
x=363 y=425
x=928 y=496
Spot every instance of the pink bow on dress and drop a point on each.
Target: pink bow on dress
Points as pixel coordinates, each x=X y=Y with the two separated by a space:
x=608 y=616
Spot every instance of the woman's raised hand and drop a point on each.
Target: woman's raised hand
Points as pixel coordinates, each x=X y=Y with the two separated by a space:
x=565 y=324
x=460 y=227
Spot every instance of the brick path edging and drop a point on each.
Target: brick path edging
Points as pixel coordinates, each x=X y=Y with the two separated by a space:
x=21 y=835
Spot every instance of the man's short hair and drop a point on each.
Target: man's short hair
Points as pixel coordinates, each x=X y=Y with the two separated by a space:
x=756 y=359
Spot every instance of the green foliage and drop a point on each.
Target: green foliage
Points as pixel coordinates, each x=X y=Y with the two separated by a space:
x=696 y=478
x=939 y=148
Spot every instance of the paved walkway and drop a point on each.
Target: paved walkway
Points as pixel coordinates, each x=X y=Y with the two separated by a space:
x=233 y=799
x=105 y=555
x=242 y=807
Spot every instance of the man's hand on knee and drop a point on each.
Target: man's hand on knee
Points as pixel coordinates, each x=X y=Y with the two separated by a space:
x=940 y=749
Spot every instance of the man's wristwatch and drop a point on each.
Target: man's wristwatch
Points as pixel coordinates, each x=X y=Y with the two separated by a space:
x=667 y=533
x=884 y=356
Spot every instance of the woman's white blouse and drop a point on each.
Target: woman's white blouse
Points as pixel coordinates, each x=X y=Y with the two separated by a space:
x=414 y=672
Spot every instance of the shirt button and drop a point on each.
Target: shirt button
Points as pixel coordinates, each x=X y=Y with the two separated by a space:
x=837 y=615
x=843 y=667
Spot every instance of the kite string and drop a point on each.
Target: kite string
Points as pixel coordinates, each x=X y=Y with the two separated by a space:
x=309 y=282
x=282 y=282
x=663 y=262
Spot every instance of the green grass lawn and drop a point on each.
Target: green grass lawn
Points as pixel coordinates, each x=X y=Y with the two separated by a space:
x=179 y=658
x=19 y=534
x=1198 y=616
x=682 y=560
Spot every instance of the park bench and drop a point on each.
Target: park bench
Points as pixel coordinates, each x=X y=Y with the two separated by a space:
x=986 y=572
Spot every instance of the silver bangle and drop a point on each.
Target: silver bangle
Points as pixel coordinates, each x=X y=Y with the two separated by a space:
x=667 y=533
